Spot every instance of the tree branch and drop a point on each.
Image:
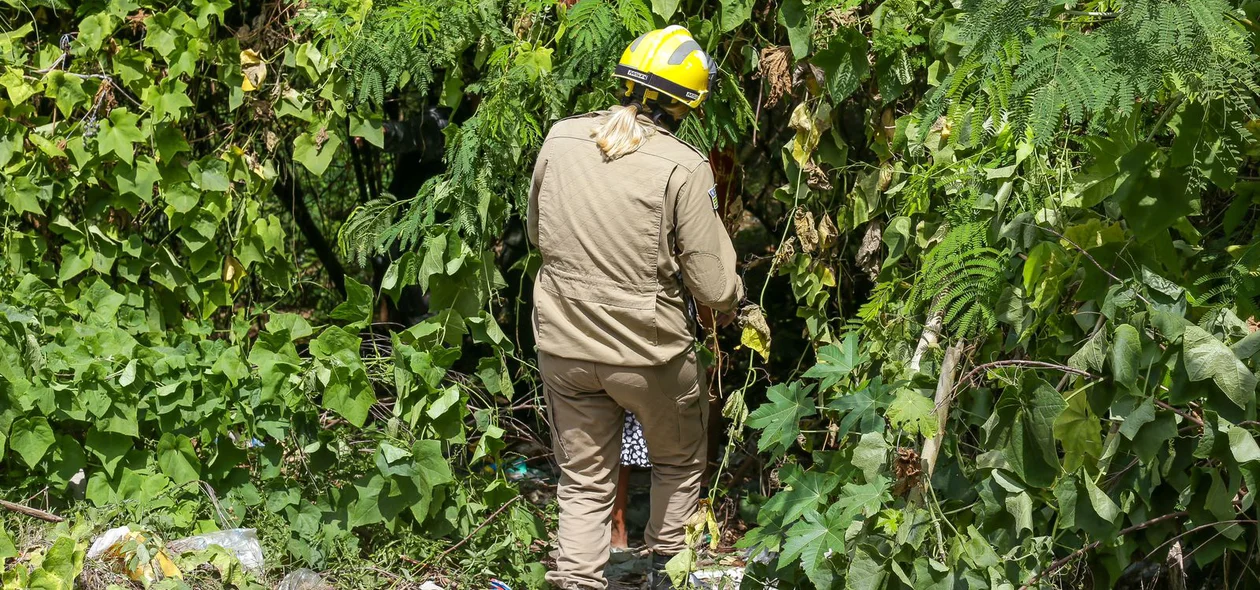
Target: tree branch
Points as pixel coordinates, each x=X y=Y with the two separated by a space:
x=1023 y=363
x=31 y=512
x=483 y=524
x=1091 y=259
x=294 y=200
x=1059 y=563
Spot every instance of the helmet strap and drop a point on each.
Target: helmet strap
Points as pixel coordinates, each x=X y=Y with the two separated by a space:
x=649 y=102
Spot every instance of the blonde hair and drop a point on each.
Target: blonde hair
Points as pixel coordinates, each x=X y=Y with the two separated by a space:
x=621 y=132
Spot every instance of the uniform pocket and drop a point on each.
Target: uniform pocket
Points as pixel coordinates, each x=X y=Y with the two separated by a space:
x=693 y=405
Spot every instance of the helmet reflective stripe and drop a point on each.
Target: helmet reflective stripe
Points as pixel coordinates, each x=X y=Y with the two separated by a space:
x=683 y=51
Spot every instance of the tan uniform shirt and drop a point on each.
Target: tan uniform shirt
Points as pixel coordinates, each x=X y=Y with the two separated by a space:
x=614 y=237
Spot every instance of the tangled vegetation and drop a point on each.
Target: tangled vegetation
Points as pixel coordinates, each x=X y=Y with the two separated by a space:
x=263 y=264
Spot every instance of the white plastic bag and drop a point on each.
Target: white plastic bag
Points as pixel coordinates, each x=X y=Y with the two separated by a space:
x=243 y=543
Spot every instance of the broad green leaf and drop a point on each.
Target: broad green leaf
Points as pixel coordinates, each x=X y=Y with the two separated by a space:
x=1154 y=195
x=211 y=8
x=867 y=570
x=7 y=549
x=448 y=399
x=210 y=174
x=16 y=86
x=23 y=196
x=170 y=142
x=1206 y=357
x=844 y=62
x=1044 y=274
x=1030 y=448
x=1248 y=346
x=366 y=508
x=432 y=466
x=108 y=447
x=913 y=412
x=813 y=539
x=794 y=16
x=859 y=501
x=357 y=308
x=349 y=399
x=1020 y=506
x=536 y=62
x=680 y=566
x=871 y=455
x=231 y=365
x=30 y=438
x=138 y=180
x=779 y=418
x=314 y=156
x=1139 y=417
x=177 y=458
x=1079 y=431
x=897 y=238
x=836 y=363
x=665 y=8
x=1126 y=355
x=1243 y=445
x=67 y=90
x=368 y=127
x=119 y=134
x=168 y=99
x=803 y=491
x=1104 y=507
x=860 y=408
x=62 y=564
x=733 y=13
x=94 y=30
x=1092 y=355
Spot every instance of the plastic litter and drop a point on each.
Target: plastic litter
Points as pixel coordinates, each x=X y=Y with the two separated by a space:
x=303 y=579
x=112 y=545
x=718 y=579
x=496 y=584
x=429 y=585
x=243 y=543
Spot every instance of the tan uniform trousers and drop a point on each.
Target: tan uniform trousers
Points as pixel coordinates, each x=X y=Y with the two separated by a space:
x=587 y=403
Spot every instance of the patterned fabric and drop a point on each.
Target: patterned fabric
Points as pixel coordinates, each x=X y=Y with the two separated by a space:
x=633 y=446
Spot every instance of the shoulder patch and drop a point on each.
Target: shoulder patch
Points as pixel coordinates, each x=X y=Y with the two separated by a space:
x=713 y=197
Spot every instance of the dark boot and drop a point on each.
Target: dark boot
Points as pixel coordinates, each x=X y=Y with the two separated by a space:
x=657 y=578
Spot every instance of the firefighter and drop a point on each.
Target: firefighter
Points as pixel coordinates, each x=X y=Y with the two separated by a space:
x=625 y=216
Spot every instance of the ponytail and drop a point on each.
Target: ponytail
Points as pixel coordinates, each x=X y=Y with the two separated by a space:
x=622 y=132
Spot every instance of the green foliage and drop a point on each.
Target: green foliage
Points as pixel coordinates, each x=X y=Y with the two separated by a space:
x=145 y=272
x=1060 y=198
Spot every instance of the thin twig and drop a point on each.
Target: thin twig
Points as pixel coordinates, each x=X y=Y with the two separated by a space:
x=1059 y=563
x=1182 y=413
x=1021 y=363
x=31 y=512
x=483 y=524
x=1091 y=259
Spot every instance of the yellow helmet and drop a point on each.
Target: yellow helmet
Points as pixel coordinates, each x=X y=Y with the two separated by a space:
x=668 y=61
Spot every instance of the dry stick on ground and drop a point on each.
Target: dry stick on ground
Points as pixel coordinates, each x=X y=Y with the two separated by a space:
x=483 y=524
x=31 y=512
x=1059 y=563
